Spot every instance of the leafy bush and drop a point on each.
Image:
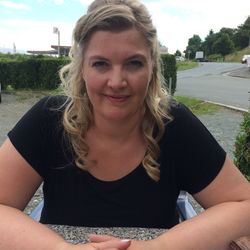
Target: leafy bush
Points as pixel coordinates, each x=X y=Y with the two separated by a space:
x=169 y=72
x=37 y=72
x=31 y=72
x=242 y=146
x=21 y=57
x=215 y=58
x=48 y=73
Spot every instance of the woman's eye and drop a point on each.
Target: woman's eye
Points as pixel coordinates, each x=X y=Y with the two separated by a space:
x=135 y=63
x=99 y=64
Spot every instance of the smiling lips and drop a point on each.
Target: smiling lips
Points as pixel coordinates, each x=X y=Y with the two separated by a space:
x=117 y=98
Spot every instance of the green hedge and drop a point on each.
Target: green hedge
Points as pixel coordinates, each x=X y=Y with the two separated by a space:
x=169 y=69
x=42 y=72
x=242 y=146
x=215 y=58
x=32 y=73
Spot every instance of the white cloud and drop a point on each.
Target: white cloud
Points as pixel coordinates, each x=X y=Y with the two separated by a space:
x=59 y=2
x=33 y=35
x=86 y=2
x=17 y=6
x=178 y=20
x=175 y=20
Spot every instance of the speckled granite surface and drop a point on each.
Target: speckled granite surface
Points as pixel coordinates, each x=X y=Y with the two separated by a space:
x=77 y=235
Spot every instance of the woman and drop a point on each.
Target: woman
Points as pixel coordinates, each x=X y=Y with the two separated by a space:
x=117 y=151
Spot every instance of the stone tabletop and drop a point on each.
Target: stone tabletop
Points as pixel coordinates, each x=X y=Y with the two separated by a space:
x=77 y=235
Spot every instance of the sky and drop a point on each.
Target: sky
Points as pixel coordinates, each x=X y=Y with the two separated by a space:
x=29 y=23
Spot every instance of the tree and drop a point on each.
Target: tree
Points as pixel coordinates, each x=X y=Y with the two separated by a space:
x=223 y=45
x=213 y=41
x=228 y=31
x=208 y=43
x=223 y=42
x=194 y=44
x=177 y=53
x=242 y=39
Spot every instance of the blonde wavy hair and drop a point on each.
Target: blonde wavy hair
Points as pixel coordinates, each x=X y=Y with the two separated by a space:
x=114 y=15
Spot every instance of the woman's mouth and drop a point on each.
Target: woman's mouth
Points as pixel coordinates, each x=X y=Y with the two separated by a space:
x=117 y=98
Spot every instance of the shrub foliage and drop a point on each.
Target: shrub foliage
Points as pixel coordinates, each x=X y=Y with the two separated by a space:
x=40 y=72
x=169 y=72
x=31 y=72
x=242 y=147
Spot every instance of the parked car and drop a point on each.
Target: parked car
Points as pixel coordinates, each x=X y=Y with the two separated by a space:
x=244 y=58
x=248 y=62
x=180 y=58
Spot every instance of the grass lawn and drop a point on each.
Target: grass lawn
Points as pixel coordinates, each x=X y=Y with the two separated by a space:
x=186 y=65
x=197 y=106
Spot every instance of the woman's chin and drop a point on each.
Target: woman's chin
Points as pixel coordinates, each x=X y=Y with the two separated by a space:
x=118 y=116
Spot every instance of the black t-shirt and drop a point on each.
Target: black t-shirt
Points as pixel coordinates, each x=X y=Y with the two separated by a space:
x=190 y=159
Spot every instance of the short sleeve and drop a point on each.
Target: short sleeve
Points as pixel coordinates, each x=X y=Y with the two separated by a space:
x=32 y=134
x=198 y=156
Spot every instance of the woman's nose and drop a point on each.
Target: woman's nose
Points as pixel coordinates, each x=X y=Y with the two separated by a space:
x=117 y=78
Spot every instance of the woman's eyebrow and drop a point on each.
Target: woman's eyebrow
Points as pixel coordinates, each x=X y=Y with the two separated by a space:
x=95 y=57
x=137 y=56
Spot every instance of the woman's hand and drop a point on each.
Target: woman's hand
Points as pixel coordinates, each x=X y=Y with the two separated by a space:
x=111 y=244
x=135 y=244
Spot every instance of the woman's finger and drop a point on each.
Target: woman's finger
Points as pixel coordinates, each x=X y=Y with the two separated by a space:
x=100 y=238
x=112 y=244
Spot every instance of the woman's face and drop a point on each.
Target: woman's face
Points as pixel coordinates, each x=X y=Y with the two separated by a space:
x=117 y=69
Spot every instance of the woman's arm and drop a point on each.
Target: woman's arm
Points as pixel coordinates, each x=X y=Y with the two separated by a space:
x=227 y=217
x=18 y=182
x=19 y=232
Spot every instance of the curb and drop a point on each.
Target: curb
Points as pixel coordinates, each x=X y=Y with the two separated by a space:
x=228 y=106
x=231 y=74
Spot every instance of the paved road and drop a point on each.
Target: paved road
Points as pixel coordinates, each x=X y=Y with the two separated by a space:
x=214 y=82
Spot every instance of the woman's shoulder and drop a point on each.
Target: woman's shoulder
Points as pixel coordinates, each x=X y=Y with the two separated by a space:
x=177 y=112
x=182 y=120
x=176 y=108
x=56 y=102
x=48 y=109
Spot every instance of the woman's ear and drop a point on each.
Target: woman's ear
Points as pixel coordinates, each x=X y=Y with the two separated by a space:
x=83 y=74
x=82 y=69
x=152 y=68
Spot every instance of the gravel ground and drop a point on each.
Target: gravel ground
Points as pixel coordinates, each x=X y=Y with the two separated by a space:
x=12 y=108
x=224 y=125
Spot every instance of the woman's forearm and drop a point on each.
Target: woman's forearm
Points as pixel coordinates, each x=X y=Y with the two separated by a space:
x=215 y=228
x=19 y=232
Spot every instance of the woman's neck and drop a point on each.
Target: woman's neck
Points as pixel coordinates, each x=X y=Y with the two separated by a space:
x=118 y=130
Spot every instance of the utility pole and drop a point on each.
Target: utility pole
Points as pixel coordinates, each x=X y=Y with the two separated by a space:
x=57 y=31
x=14 y=48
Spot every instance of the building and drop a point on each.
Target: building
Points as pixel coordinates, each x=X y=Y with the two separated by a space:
x=163 y=49
x=64 y=51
